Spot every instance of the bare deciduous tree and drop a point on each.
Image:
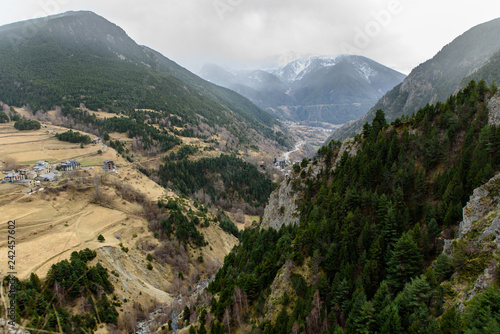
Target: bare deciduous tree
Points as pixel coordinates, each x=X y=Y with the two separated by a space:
x=227 y=319
x=11 y=163
x=313 y=320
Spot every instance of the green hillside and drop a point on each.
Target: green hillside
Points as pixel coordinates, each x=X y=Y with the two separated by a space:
x=365 y=257
x=79 y=57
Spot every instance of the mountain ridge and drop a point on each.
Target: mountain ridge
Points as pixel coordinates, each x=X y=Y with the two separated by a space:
x=113 y=72
x=437 y=78
x=364 y=252
x=313 y=88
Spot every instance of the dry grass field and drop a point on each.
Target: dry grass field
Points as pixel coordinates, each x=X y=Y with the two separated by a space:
x=28 y=147
x=50 y=225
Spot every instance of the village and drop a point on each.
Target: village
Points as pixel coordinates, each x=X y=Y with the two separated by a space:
x=42 y=173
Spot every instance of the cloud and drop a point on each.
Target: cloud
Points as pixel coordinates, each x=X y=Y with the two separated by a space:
x=192 y=32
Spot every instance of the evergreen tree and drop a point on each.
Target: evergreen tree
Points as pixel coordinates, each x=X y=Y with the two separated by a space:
x=366 y=322
x=450 y=322
x=392 y=320
x=378 y=122
x=443 y=268
x=405 y=262
x=389 y=231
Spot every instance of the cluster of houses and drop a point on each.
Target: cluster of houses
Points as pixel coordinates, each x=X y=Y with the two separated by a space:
x=45 y=172
x=42 y=171
x=280 y=163
x=283 y=163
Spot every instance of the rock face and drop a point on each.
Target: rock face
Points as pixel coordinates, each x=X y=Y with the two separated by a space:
x=282 y=206
x=483 y=203
x=477 y=246
x=494 y=108
x=475 y=209
x=350 y=146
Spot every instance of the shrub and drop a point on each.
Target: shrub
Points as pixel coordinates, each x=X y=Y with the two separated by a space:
x=26 y=124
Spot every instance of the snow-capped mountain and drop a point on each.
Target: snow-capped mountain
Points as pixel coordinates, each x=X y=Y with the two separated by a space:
x=299 y=68
x=312 y=88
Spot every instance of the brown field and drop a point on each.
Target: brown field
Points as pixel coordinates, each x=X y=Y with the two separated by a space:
x=51 y=225
x=49 y=228
x=28 y=147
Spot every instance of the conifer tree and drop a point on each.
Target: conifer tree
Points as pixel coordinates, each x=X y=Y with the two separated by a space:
x=405 y=262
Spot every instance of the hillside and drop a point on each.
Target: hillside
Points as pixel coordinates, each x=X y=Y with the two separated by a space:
x=82 y=72
x=69 y=214
x=312 y=90
x=80 y=58
x=374 y=214
x=436 y=79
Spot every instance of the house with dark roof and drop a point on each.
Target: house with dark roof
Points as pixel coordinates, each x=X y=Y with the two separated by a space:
x=69 y=165
x=109 y=165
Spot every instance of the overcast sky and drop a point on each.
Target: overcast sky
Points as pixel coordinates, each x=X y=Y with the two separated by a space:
x=398 y=33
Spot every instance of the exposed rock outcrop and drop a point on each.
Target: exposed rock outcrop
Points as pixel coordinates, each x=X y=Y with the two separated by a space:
x=282 y=206
x=483 y=203
x=476 y=249
x=351 y=146
x=494 y=110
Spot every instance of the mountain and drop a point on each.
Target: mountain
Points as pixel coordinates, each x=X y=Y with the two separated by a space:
x=79 y=57
x=471 y=55
x=312 y=88
x=394 y=231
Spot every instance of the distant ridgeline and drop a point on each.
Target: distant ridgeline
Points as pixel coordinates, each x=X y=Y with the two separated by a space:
x=475 y=55
x=363 y=258
x=81 y=58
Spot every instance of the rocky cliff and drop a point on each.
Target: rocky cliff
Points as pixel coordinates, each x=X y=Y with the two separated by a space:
x=282 y=208
x=475 y=253
x=494 y=110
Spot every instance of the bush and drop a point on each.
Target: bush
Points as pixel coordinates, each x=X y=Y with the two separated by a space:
x=74 y=137
x=228 y=226
x=26 y=124
x=100 y=238
x=3 y=117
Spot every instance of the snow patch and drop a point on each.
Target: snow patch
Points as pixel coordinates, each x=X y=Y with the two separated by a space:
x=299 y=68
x=365 y=70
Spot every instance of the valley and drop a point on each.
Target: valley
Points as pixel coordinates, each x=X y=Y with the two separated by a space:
x=324 y=194
x=311 y=135
x=311 y=89
x=309 y=139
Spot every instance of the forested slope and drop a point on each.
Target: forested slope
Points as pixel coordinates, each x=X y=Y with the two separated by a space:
x=80 y=58
x=364 y=258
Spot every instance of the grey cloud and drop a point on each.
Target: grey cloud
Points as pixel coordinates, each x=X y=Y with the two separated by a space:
x=192 y=32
